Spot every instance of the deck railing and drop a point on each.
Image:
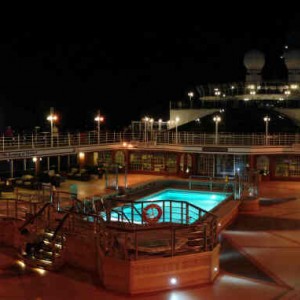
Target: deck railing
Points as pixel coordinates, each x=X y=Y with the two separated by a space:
x=179 y=212
x=134 y=139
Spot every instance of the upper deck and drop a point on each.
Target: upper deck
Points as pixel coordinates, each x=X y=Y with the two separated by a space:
x=22 y=147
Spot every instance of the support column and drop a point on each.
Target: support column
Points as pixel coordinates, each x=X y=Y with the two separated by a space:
x=37 y=166
x=126 y=166
x=48 y=163
x=11 y=168
x=251 y=161
x=126 y=154
x=69 y=162
x=214 y=165
x=117 y=176
x=81 y=159
x=194 y=164
x=58 y=164
x=24 y=164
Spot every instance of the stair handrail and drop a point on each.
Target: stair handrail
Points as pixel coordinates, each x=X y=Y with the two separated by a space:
x=61 y=223
x=33 y=217
x=72 y=195
x=121 y=213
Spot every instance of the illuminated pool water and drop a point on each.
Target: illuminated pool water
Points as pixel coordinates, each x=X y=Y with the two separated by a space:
x=173 y=205
x=204 y=200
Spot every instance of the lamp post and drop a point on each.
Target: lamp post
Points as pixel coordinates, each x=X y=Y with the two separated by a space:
x=176 y=129
x=98 y=119
x=217 y=119
x=191 y=95
x=36 y=130
x=146 y=120
x=267 y=119
x=52 y=117
x=159 y=124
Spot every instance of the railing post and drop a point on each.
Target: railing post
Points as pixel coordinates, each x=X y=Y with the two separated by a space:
x=32 y=140
x=78 y=138
x=205 y=237
x=16 y=208
x=69 y=139
x=132 y=215
x=3 y=142
x=181 y=208
x=18 y=139
x=187 y=213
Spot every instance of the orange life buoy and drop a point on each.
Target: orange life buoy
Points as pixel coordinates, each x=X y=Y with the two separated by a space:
x=155 y=219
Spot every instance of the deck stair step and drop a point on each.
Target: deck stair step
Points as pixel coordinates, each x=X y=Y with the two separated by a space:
x=57 y=245
x=58 y=239
x=196 y=233
x=196 y=242
x=43 y=253
x=44 y=257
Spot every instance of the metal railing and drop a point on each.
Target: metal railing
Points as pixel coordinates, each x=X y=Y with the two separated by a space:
x=18 y=209
x=220 y=95
x=184 y=228
x=154 y=138
x=179 y=212
x=42 y=216
x=140 y=242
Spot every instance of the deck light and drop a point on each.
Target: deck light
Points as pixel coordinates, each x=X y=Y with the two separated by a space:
x=191 y=95
x=217 y=119
x=98 y=119
x=51 y=118
x=267 y=119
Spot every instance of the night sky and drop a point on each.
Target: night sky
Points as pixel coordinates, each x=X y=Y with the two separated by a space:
x=130 y=67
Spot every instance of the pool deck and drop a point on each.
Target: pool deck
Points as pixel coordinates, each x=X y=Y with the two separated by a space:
x=260 y=257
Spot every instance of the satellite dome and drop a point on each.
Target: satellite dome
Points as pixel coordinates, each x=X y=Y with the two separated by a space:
x=254 y=60
x=292 y=59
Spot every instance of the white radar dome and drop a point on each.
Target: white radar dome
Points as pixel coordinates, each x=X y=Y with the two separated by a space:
x=254 y=60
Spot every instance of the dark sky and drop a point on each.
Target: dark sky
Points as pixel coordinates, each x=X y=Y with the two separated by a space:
x=129 y=67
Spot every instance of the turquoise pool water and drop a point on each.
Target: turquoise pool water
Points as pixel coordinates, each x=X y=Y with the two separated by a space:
x=204 y=200
x=172 y=203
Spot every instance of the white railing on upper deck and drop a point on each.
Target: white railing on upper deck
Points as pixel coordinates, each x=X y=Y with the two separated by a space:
x=39 y=141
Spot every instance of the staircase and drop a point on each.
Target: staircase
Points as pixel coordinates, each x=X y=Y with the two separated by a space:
x=202 y=237
x=196 y=237
x=50 y=254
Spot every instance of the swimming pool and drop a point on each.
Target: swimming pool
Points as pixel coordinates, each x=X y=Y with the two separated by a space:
x=204 y=200
x=173 y=206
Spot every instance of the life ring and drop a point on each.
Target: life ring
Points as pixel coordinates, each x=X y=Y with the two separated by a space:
x=148 y=219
